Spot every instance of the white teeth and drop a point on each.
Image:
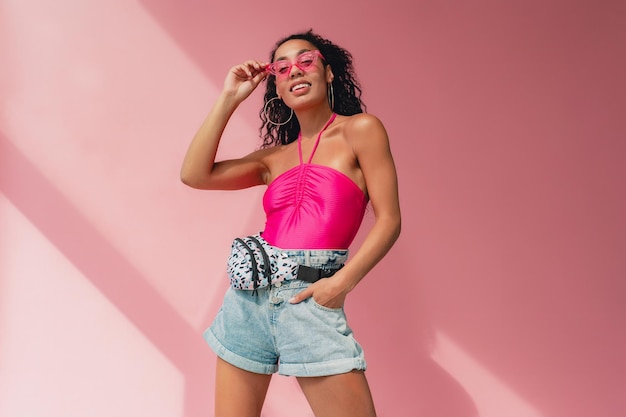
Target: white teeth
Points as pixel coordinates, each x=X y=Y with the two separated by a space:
x=299 y=86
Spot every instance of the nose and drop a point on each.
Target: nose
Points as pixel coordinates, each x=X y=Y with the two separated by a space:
x=294 y=71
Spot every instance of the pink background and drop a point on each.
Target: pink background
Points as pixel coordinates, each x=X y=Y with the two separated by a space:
x=504 y=297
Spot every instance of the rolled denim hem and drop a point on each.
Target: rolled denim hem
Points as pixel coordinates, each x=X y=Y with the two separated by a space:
x=334 y=367
x=236 y=360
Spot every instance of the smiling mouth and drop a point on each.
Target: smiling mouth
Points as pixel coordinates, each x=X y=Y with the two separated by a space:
x=300 y=86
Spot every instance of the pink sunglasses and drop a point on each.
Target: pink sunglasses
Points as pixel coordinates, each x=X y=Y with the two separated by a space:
x=304 y=61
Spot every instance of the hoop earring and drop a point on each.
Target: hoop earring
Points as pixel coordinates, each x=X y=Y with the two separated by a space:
x=267 y=116
x=331 y=96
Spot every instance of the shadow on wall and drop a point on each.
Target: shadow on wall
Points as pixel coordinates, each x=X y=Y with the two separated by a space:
x=391 y=320
x=98 y=260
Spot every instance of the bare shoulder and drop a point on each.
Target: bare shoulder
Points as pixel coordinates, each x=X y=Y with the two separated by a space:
x=365 y=130
x=363 y=123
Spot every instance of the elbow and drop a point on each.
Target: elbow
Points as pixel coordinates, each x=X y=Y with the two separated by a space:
x=189 y=179
x=186 y=179
x=395 y=224
x=392 y=225
x=397 y=228
x=200 y=181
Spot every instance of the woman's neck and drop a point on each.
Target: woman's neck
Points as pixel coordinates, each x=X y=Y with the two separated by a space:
x=311 y=122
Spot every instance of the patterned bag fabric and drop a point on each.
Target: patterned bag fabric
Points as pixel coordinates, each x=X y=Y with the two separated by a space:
x=253 y=263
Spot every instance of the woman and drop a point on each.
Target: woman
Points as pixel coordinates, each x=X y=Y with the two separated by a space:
x=322 y=159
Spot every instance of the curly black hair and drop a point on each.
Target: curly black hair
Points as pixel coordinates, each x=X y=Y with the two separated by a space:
x=347 y=91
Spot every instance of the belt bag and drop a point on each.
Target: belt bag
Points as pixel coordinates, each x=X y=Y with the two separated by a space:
x=253 y=263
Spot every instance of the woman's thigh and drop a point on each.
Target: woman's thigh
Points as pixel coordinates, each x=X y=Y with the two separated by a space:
x=343 y=395
x=239 y=393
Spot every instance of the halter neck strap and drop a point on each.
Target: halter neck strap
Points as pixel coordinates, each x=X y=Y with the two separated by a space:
x=332 y=117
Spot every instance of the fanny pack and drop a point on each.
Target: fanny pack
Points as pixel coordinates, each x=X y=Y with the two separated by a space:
x=253 y=263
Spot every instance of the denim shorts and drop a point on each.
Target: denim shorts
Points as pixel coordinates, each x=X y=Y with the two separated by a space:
x=264 y=333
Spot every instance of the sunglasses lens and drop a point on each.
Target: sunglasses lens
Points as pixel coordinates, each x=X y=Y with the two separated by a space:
x=279 y=67
x=306 y=60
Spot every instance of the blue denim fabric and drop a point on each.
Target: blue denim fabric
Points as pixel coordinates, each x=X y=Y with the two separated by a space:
x=264 y=333
x=319 y=258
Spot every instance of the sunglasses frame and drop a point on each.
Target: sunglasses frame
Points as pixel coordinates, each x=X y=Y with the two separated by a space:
x=315 y=53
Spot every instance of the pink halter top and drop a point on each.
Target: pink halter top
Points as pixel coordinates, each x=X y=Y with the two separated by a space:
x=313 y=206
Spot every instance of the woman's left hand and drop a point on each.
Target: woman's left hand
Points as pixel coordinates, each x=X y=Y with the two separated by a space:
x=326 y=292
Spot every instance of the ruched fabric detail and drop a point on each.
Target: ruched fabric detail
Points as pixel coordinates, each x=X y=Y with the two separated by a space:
x=313 y=207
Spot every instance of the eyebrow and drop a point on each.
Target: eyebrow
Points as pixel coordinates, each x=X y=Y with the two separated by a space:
x=301 y=51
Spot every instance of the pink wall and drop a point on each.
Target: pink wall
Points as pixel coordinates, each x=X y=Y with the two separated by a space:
x=504 y=296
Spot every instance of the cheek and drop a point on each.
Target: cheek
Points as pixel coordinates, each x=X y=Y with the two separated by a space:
x=281 y=87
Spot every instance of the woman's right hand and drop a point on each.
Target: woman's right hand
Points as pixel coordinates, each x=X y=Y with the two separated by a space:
x=242 y=79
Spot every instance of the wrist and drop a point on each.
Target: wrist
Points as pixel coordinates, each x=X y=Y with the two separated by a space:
x=229 y=99
x=344 y=282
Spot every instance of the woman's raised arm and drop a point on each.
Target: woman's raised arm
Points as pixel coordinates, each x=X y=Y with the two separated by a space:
x=199 y=169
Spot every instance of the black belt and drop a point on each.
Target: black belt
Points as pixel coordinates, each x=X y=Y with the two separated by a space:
x=310 y=274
